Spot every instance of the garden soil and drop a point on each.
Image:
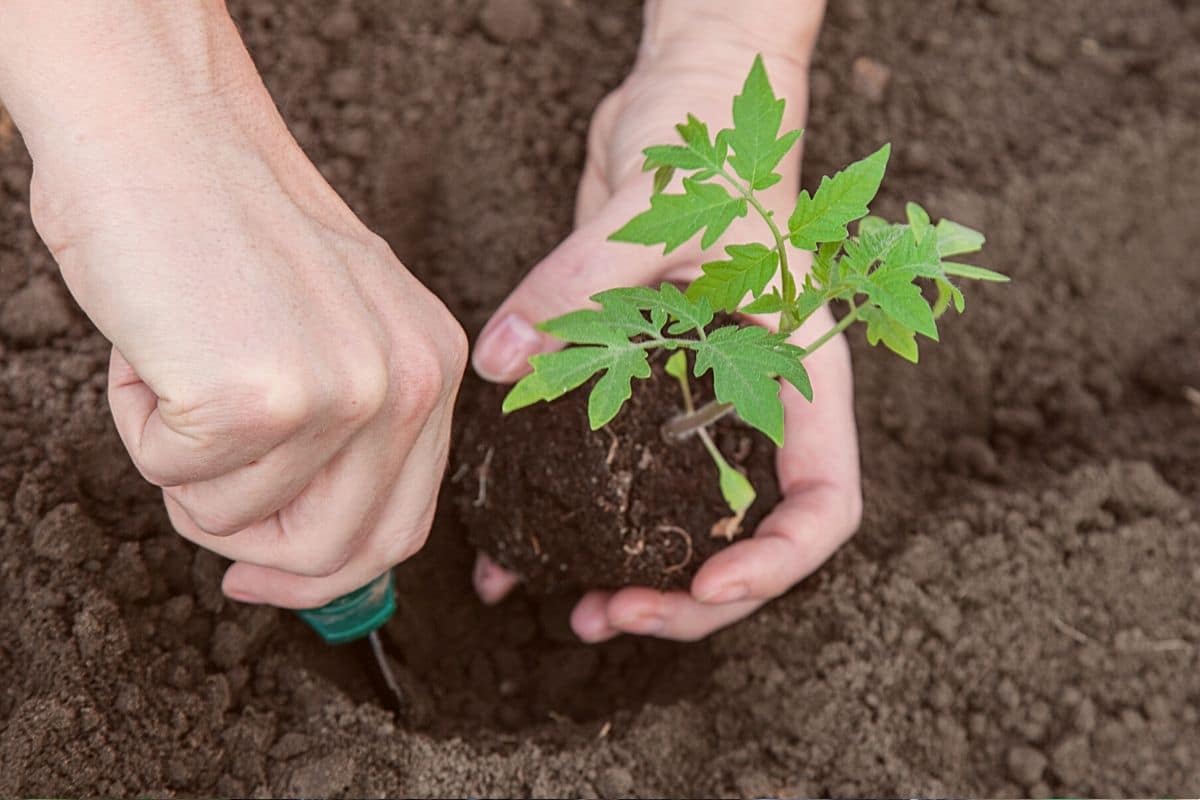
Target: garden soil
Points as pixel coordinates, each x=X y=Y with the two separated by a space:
x=1020 y=613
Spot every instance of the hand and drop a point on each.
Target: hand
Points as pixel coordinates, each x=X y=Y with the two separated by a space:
x=818 y=466
x=274 y=367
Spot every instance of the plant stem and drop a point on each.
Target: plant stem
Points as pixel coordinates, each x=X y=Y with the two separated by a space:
x=789 y=283
x=843 y=323
x=695 y=420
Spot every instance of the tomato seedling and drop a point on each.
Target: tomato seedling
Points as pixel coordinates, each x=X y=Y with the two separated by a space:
x=874 y=273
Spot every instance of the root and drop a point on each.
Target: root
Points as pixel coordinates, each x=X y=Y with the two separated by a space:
x=612 y=448
x=687 y=541
x=483 y=472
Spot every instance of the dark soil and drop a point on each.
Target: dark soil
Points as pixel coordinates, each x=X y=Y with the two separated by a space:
x=1020 y=614
x=566 y=507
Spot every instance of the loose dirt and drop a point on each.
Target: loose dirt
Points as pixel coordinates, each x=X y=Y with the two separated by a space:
x=1020 y=614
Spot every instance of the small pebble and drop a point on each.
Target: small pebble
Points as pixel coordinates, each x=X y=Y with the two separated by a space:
x=1026 y=765
x=510 y=21
x=870 y=78
x=340 y=25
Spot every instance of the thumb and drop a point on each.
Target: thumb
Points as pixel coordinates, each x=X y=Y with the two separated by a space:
x=584 y=264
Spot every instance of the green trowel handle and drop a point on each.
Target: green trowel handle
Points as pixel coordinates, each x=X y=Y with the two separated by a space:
x=354 y=615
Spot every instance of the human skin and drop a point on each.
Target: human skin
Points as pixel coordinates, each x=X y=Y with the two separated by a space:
x=692 y=59
x=274 y=367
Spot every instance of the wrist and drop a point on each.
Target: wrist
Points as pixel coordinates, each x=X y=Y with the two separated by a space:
x=784 y=33
x=110 y=82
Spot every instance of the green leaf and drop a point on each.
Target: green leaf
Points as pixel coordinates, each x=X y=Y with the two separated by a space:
x=894 y=335
x=735 y=487
x=689 y=315
x=555 y=374
x=677 y=365
x=891 y=287
x=745 y=363
x=662 y=178
x=918 y=220
x=767 y=304
x=824 y=262
x=612 y=390
x=876 y=244
x=956 y=240
x=973 y=273
x=946 y=291
x=838 y=201
x=807 y=303
x=612 y=325
x=757 y=146
x=749 y=268
x=870 y=224
x=675 y=218
x=697 y=152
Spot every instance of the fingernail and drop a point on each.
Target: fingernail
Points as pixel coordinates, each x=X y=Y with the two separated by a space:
x=503 y=352
x=729 y=593
x=643 y=623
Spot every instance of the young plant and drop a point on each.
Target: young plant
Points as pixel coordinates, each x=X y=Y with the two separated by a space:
x=874 y=274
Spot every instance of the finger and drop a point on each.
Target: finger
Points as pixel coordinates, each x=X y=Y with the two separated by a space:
x=671 y=615
x=230 y=503
x=396 y=532
x=167 y=453
x=584 y=264
x=492 y=582
x=314 y=533
x=589 y=618
x=818 y=471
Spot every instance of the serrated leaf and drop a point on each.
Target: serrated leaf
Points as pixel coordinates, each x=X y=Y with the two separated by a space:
x=675 y=218
x=838 y=201
x=688 y=314
x=745 y=363
x=956 y=240
x=749 y=268
x=807 y=303
x=757 y=146
x=614 y=388
x=555 y=374
x=767 y=304
x=920 y=258
x=823 y=262
x=612 y=324
x=918 y=220
x=876 y=244
x=973 y=273
x=894 y=335
x=891 y=287
x=871 y=223
x=698 y=151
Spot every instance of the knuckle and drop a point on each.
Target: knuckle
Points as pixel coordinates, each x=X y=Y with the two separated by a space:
x=367 y=384
x=322 y=560
x=212 y=520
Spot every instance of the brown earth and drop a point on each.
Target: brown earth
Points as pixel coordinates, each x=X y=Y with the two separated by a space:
x=568 y=508
x=1019 y=615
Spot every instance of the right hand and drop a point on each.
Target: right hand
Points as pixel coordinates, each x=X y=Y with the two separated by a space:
x=274 y=366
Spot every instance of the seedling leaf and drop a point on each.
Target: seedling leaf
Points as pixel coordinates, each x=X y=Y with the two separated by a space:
x=973 y=273
x=744 y=363
x=838 y=201
x=749 y=268
x=675 y=218
x=957 y=240
x=698 y=151
x=735 y=488
x=757 y=146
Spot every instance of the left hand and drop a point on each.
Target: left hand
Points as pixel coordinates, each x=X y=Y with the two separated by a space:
x=818 y=467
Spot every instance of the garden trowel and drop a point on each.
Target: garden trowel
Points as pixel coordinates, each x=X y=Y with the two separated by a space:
x=355 y=615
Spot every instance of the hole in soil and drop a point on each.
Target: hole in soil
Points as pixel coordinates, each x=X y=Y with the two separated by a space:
x=518 y=664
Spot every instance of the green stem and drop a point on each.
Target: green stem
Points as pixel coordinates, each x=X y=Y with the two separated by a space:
x=843 y=323
x=789 y=283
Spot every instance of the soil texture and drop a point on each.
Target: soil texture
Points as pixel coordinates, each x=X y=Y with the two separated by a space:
x=566 y=507
x=1019 y=615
